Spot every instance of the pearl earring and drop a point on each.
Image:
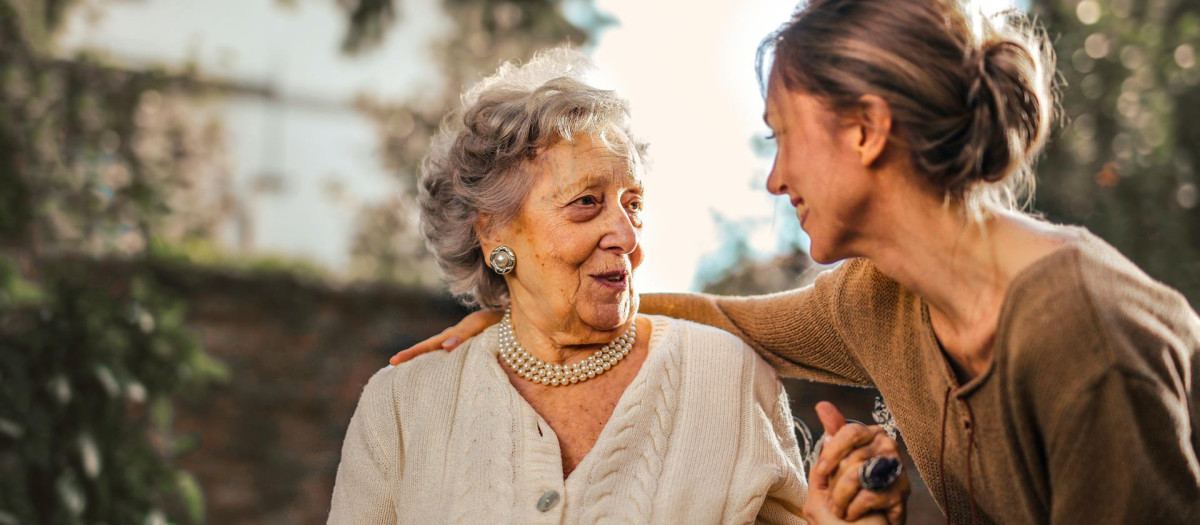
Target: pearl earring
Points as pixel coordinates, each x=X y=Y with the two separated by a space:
x=503 y=259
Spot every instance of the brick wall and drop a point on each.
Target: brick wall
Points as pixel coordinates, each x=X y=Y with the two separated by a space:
x=299 y=353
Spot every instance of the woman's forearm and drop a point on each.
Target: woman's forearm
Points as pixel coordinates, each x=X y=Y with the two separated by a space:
x=795 y=331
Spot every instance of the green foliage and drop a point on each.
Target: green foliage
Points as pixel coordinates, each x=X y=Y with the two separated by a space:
x=90 y=166
x=87 y=376
x=1124 y=163
x=203 y=252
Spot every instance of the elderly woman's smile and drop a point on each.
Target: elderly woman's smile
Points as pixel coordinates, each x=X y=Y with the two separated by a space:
x=576 y=237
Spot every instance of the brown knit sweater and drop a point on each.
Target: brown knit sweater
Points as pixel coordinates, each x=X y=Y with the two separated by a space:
x=1088 y=413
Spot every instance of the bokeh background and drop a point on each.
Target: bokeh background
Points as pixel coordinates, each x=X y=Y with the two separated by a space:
x=207 y=238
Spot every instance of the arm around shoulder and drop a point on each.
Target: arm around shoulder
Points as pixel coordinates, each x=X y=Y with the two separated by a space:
x=795 y=331
x=371 y=456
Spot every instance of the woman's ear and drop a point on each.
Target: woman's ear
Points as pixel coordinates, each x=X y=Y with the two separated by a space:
x=874 y=120
x=487 y=235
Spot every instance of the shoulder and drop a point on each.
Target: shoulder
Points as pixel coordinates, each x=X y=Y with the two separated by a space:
x=859 y=277
x=699 y=341
x=868 y=297
x=681 y=331
x=1087 y=306
x=429 y=377
x=1123 y=296
x=711 y=348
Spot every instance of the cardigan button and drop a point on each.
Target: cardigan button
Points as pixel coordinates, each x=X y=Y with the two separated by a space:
x=547 y=501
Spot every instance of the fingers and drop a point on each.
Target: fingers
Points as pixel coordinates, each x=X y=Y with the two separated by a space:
x=847 y=497
x=816 y=507
x=845 y=484
x=898 y=514
x=831 y=418
x=815 y=512
x=890 y=501
x=433 y=343
x=450 y=338
x=841 y=445
x=476 y=322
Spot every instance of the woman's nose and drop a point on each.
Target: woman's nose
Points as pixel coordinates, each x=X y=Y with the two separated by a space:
x=775 y=183
x=622 y=235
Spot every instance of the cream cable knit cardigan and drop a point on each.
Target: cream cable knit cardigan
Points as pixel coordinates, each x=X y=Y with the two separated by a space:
x=702 y=435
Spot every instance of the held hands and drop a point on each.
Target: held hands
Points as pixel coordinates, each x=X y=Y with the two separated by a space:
x=451 y=337
x=834 y=490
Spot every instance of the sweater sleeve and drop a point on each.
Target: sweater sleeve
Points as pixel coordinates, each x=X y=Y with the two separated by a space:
x=368 y=471
x=1121 y=454
x=785 y=499
x=795 y=331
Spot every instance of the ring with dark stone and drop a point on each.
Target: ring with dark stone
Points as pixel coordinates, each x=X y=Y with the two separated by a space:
x=879 y=473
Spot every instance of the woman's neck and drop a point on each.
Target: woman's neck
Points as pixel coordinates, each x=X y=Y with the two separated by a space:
x=557 y=344
x=962 y=269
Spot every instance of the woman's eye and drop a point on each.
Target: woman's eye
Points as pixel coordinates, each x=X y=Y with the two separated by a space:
x=587 y=200
x=635 y=205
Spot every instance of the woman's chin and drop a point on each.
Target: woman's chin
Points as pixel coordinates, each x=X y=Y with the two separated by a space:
x=607 y=316
x=821 y=252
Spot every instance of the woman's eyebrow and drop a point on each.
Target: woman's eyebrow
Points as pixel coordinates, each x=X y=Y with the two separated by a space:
x=587 y=182
x=593 y=181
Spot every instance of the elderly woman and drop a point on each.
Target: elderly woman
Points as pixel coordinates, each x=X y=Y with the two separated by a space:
x=1038 y=376
x=572 y=409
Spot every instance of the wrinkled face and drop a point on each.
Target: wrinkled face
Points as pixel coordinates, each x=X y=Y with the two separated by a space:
x=818 y=167
x=576 y=240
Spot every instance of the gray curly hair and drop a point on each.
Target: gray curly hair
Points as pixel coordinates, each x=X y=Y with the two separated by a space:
x=478 y=161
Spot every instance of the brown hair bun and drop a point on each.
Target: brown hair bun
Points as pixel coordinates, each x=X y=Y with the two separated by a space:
x=971 y=96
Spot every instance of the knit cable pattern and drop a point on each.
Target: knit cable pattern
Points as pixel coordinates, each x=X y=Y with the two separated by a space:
x=640 y=438
x=485 y=471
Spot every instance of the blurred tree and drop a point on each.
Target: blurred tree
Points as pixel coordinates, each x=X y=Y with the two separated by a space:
x=749 y=276
x=486 y=33
x=1124 y=163
x=734 y=268
x=94 y=162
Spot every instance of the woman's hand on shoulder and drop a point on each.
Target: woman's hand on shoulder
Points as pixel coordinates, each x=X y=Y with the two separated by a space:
x=450 y=338
x=835 y=493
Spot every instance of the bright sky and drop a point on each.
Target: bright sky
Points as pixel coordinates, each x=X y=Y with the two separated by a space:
x=689 y=74
x=687 y=70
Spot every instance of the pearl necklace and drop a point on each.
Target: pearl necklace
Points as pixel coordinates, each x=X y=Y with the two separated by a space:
x=538 y=371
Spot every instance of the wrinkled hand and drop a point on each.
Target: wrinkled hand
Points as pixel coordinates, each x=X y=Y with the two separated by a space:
x=451 y=337
x=833 y=484
x=818 y=511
